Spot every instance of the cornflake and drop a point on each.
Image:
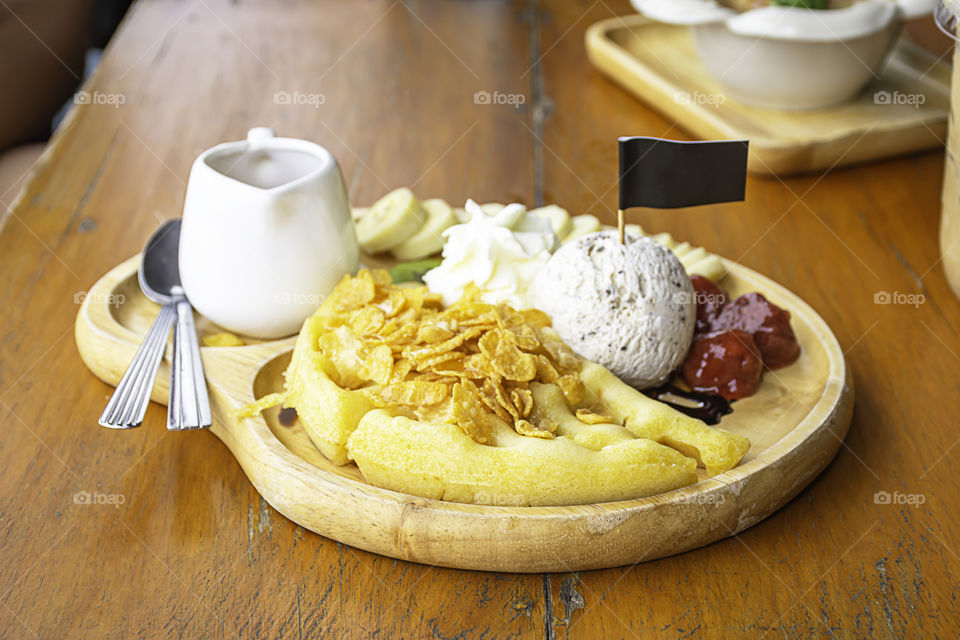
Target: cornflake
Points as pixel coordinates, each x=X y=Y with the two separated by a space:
x=525 y=428
x=587 y=416
x=470 y=365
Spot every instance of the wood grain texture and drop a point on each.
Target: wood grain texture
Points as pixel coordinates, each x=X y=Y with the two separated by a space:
x=194 y=552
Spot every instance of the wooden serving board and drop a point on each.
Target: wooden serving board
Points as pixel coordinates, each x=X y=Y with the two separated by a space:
x=659 y=64
x=796 y=423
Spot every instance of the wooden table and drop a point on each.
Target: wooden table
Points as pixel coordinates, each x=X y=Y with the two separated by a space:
x=188 y=548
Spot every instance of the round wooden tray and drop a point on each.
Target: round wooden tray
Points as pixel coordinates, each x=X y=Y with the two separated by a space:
x=796 y=424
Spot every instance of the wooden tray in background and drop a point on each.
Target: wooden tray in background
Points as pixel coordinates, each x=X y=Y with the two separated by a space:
x=659 y=64
x=796 y=423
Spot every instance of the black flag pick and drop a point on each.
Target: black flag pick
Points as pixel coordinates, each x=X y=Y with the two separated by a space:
x=666 y=174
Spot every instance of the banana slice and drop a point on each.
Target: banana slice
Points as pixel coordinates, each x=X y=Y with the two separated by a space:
x=710 y=267
x=558 y=217
x=695 y=260
x=358 y=212
x=682 y=249
x=694 y=255
x=391 y=220
x=429 y=239
x=665 y=239
x=581 y=226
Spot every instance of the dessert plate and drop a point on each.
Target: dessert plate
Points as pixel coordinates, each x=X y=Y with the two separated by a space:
x=796 y=423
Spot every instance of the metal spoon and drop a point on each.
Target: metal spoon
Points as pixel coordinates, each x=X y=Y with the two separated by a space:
x=189 y=406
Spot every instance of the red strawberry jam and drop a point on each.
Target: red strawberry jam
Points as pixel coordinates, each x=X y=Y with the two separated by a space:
x=767 y=323
x=726 y=363
x=710 y=298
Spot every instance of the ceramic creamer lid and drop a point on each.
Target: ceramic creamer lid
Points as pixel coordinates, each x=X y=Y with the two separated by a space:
x=257 y=136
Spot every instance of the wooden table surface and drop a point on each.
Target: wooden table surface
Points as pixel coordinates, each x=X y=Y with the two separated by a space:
x=187 y=548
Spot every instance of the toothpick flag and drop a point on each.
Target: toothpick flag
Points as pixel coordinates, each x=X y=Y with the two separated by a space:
x=666 y=174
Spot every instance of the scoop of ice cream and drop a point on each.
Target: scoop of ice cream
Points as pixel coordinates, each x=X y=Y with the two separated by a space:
x=629 y=307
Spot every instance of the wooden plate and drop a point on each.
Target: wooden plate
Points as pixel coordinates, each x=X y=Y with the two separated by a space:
x=796 y=423
x=659 y=64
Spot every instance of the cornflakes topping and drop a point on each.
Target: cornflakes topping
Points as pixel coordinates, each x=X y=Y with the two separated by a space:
x=463 y=364
x=525 y=428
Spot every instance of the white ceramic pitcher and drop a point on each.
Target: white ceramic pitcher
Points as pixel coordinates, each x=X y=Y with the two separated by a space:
x=266 y=233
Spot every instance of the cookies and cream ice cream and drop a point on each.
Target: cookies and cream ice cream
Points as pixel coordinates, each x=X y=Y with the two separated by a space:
x=629 y=307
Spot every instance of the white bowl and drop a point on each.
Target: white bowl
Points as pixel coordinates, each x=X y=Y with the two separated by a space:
x=787 y=58
x=790 y=74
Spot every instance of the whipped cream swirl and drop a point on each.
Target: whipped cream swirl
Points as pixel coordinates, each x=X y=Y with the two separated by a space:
x=501 y=254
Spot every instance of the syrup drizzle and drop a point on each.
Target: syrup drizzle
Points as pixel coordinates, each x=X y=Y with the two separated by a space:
x=705 y=406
